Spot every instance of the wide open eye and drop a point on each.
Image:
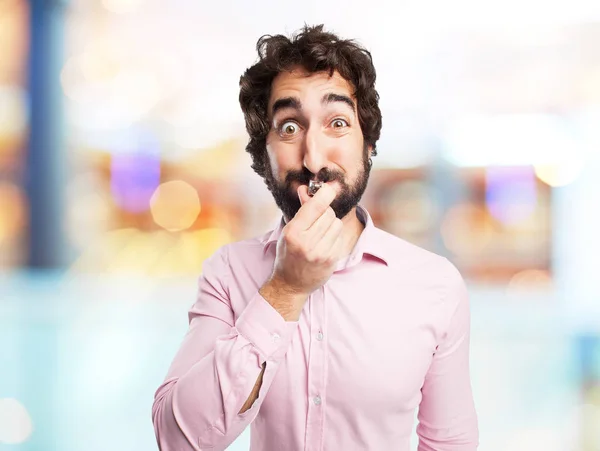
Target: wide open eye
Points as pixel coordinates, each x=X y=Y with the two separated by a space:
x=289 y=128
x=339 y=123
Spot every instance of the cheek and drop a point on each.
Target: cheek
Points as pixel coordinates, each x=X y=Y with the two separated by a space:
x=283 y=159
x=274 y=164
x=349 y=157
x=274 y=158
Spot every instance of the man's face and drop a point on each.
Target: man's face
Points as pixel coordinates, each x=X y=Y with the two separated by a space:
x=315 y=135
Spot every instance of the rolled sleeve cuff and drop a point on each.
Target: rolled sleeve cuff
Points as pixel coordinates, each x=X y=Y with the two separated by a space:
x=266 y=329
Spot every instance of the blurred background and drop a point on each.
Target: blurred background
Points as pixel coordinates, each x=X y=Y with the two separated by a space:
x=122 y=168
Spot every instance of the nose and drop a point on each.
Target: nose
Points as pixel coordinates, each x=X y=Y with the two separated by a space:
x=314 y=152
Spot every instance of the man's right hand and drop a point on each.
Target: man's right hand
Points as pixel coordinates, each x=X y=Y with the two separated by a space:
x=307 y=253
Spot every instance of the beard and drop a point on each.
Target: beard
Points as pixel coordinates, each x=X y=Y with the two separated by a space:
x=349 y=196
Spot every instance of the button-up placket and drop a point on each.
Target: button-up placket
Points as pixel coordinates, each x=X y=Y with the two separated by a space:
x=317 y=367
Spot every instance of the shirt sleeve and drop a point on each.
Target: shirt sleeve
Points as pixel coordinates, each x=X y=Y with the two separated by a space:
x=447 y=417
x=217 y=366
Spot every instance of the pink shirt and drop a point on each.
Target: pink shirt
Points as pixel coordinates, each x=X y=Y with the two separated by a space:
x=387 y=334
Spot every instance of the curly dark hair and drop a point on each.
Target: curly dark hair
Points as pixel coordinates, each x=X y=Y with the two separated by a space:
x=315 y=50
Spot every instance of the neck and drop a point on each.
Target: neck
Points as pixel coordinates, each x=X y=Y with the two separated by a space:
x=353 y=227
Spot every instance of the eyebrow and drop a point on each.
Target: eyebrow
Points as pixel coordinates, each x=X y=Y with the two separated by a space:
x=286 y=103
x=332 y=98
x=295 y=104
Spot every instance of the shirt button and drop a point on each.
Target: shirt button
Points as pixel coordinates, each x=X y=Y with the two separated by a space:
x=317 y=400
x=275 y=338
x=320 y=336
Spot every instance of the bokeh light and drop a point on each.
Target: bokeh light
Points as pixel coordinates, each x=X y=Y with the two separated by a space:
x=134 y=91
x=466 y=230
x=558 y=175
x=14 y=15
x=105 y=251
x=511 y=195
x=529 y=279
x=155 y=253
x=411 y=210
x=111 y=85
x=589 y=418
x=13 y=111
x=508 y=140
x=135 y=171
x=536 y=439
x=175 y=205
x=12 y=211
x=89 y=209
x=15 y=423
x=97 y=64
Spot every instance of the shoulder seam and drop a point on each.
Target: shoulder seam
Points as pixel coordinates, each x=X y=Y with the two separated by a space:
x=448 y=285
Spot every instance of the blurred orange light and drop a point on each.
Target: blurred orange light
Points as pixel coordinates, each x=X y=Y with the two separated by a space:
x=102 y=252
x=14 y=31
x=141 y=252
x=410 y=207
x=559 y=175
x=466 y=230
x=13 y=111
x=12 y=210
x=175 y=205
x=98 y=66
x=187 y=255
x=529 y=279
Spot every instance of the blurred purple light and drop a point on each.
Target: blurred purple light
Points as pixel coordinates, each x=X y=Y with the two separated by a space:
x=135 y=175
x=511 y=194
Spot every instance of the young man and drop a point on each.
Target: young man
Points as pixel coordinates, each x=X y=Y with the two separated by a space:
x=326 y=333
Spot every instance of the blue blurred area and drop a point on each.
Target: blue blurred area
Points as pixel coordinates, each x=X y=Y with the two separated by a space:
x=84 y=355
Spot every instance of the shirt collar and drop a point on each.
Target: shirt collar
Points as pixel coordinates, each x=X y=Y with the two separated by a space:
x=370 y=241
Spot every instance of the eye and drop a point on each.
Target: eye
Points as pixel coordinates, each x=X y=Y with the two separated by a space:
x=339 y=123
x=289 y=128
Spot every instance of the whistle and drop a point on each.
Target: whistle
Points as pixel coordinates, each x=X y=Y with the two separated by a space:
x=313 y=187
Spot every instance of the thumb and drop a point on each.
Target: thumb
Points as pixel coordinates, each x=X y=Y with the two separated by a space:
x=303 y=194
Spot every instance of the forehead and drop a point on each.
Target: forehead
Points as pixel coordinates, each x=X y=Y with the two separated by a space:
x=308 y=86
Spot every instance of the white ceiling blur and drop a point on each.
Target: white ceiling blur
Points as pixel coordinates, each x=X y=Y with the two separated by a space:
x=434 y=59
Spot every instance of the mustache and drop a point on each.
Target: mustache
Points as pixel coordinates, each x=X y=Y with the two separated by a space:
x=304 y=176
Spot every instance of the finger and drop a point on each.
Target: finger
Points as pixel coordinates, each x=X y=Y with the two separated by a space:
x=332 y=248
x=332 y=239
x=316 y=232
x=314 y=207
x=337 y=249
x=303 y=194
